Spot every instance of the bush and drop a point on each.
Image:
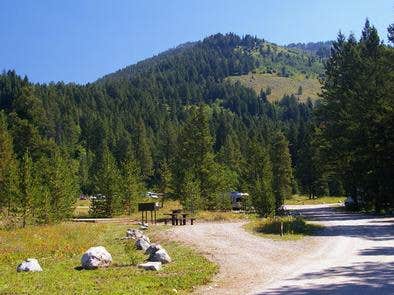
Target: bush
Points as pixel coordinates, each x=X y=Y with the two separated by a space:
x=291 y=226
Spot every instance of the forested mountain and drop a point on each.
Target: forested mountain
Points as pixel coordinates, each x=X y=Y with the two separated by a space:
x=254 y=62
x=177 y=123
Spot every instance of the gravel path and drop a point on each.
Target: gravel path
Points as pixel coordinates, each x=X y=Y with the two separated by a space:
x=353 y=254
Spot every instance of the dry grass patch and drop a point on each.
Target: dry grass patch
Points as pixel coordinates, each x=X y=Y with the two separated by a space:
x=304 y=200
x=280 y=86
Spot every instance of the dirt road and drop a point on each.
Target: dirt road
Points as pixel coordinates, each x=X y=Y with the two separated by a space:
x=353 y=254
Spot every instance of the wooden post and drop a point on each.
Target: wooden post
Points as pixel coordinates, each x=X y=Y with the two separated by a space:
x=281 y=228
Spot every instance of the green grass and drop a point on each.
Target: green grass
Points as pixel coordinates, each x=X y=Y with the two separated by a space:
x=304 y=200
x=294 y=228
x=60 y=247
x=280 y=86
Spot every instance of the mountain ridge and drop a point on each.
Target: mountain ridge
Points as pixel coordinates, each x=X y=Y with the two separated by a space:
x=229 y=56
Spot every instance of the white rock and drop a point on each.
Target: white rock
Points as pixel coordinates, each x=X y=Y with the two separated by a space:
x=142 y=244
x=134 y=233
x=150 y=265
x=29 y=264
x=153 y=248
x=96 y=257
x=160 y=255
x=143 y=227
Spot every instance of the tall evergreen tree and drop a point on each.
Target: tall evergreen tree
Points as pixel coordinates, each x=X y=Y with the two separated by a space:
x=356 y=114
x=260 y=179
x=165 y=181
x=282 y=170
x=108 y=184
x=132 y=182
x=9 y=175
x=29 y=190
x=144 y=153
x=191 y=192
x=58 y=187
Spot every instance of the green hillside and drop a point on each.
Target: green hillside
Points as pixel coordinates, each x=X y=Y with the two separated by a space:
x=280 y=86
x=282 y=71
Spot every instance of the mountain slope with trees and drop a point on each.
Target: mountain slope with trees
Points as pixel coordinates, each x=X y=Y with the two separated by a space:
x=172 y=123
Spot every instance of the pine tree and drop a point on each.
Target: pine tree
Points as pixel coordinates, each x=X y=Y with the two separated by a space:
x=299 y=92
x=356 y=114
x=144 y=153
x=390 y=34
x=230 y=154
x=108 y=185
x=132 y=182
x=9 y=177
x=165 y=181
x=311 y=169
x=191 y=192
x=282 y=170
x=29 y=190
x=259 y=180
x=196 y=156
x=63 y=186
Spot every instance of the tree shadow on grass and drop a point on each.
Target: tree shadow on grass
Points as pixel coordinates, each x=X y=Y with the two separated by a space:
x=362 y=278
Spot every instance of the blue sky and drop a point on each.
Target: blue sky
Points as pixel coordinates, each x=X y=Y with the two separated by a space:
x=82 y=40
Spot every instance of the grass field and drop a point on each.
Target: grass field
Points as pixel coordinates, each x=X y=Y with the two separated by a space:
x=304 y=200
x=280 y=86
x=294 y=228
x=60 y=247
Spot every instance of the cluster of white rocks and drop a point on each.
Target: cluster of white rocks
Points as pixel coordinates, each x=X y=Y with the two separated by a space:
x=99 y=257
x=157 y=254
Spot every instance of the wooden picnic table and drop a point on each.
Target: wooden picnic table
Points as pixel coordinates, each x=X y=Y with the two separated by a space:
x=181 y=221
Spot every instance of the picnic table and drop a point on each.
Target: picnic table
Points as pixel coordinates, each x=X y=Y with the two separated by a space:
x=178 y=221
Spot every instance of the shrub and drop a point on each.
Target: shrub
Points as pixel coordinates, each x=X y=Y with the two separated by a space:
x=291 y=226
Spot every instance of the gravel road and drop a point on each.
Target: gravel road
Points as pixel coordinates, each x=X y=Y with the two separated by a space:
x=353 y=254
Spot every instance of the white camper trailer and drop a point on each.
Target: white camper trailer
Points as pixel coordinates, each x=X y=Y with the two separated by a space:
x=238 y=200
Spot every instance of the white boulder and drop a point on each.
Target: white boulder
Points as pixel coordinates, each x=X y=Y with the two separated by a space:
x=96 y=257
x=135 y=234
x=142 y=244
x=29 y=264
x=160 y=255
x=150 y=265
x=153 y=248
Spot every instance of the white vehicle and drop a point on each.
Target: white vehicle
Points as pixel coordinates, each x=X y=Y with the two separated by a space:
x=349 y=201
x=152 y=195
x=237 y=200
x=98 y=197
